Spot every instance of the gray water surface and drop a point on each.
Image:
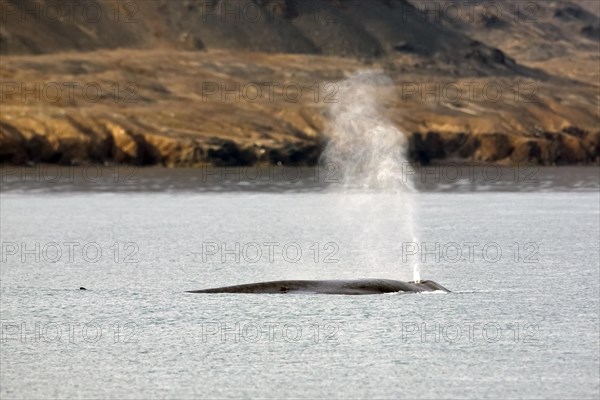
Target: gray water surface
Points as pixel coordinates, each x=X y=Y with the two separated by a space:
x=522 y=321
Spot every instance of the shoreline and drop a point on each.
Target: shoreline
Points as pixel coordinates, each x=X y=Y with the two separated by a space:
x=571 y=146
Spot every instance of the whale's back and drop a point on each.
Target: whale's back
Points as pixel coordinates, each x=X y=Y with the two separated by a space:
x=348 y=287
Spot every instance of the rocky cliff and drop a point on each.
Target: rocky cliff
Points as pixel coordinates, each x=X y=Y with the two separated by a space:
x=183 y=83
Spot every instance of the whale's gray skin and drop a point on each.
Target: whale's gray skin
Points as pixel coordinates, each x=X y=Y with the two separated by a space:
x=350 y=287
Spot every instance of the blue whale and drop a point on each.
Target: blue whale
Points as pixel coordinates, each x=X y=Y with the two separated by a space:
x=349 y=287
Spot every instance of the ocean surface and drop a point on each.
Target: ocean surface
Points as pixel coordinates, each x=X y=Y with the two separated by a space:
x=519 y=249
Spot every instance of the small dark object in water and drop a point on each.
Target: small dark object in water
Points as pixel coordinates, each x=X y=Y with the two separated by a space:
x=82 y=288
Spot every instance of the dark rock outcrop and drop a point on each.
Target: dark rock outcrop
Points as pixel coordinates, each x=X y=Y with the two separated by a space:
x=572 y=146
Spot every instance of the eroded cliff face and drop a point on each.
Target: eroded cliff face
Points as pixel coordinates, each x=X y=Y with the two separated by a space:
x=185 y=87
x=570 y=146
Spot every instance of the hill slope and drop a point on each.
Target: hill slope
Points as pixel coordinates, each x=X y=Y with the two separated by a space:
x=167 y=82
